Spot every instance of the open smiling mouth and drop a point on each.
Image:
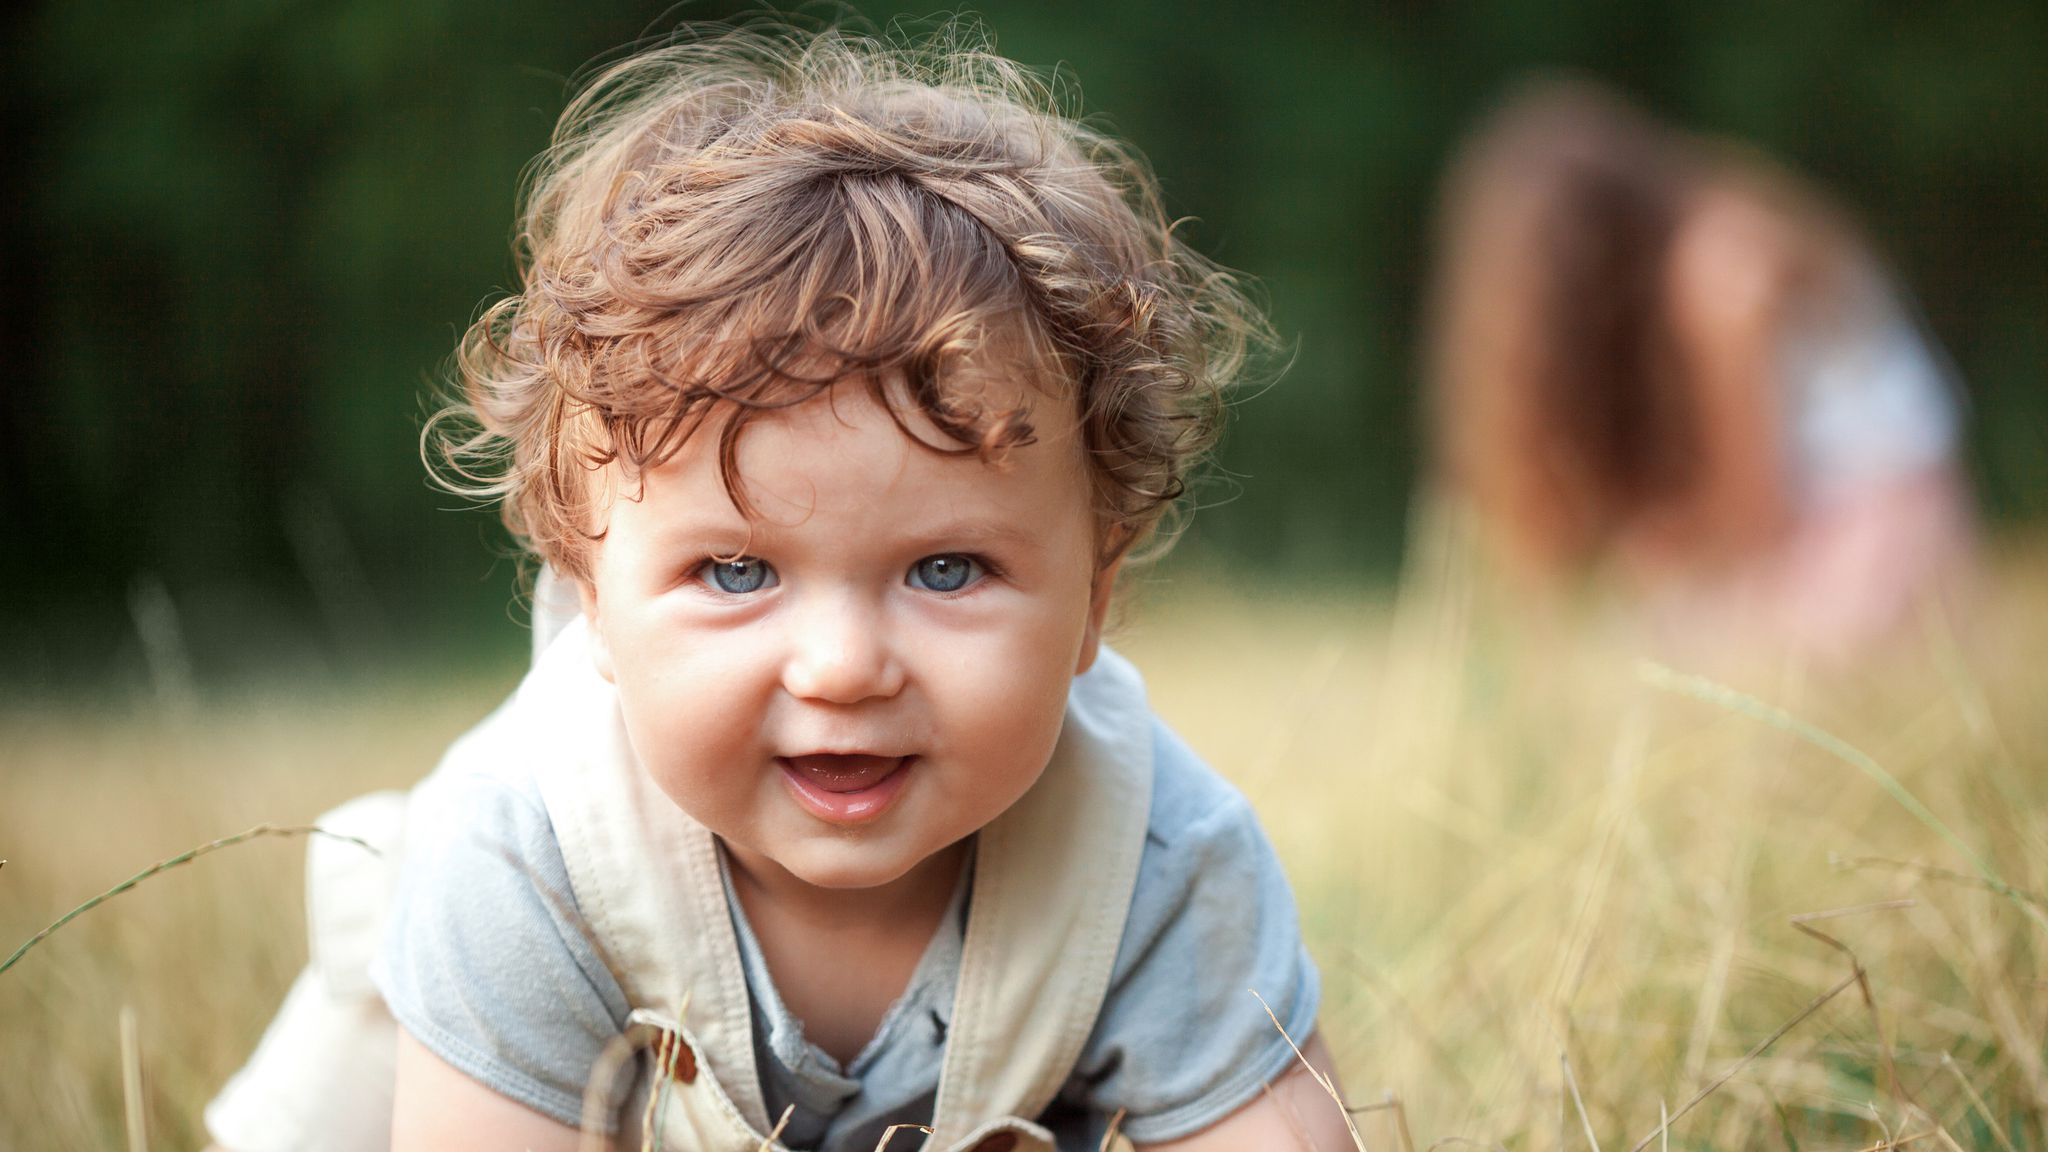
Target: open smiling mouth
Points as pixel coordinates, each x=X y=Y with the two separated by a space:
x=845 y=789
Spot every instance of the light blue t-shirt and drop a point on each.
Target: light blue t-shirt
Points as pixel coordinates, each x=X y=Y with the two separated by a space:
x=487 y=963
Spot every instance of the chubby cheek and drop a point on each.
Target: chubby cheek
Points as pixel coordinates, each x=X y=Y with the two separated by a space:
x=1002 y=719
x=693 y=727
x=706 y=778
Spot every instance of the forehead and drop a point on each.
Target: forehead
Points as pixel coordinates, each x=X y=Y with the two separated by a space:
x=848 y=457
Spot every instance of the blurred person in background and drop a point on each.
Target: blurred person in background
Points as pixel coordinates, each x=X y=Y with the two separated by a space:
x=1665 y=362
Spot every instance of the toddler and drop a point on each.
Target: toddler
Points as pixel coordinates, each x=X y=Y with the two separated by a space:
x=842 y=378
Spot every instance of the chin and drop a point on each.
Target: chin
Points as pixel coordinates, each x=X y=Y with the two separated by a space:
x=848 y=868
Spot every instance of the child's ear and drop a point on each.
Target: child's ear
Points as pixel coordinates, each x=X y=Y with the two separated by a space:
x=600 y=650
x=1098 y=611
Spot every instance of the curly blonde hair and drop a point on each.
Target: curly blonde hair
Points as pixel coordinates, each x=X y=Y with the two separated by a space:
x=741 y=220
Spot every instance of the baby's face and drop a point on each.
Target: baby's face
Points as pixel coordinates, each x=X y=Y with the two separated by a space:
x=885 y=669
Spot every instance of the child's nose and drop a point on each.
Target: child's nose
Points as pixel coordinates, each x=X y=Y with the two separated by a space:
x=840 y=652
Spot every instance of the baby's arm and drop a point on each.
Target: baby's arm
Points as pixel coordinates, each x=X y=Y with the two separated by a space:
x=503 y=1004
x=1293 y=1113
x=1181 y=1046
x=438 y=1109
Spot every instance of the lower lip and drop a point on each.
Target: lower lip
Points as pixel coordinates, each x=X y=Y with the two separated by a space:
x=846 y=807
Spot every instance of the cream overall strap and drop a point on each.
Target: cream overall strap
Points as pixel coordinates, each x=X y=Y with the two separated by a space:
x=1052 y=889
x=645 y=875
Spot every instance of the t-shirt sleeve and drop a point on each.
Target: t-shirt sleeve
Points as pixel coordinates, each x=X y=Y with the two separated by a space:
x=1181 y=1042
x=485 y=960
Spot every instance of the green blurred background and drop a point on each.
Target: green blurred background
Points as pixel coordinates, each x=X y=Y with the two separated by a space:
x=242 y=236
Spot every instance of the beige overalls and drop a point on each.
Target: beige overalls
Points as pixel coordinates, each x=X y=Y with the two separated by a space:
x=1051 y=890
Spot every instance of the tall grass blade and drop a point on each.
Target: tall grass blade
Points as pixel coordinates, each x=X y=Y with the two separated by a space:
x=133 y=1113
x=1713 y=692
x=185 y=857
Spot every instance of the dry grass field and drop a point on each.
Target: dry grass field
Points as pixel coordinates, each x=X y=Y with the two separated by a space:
x=1556 y=893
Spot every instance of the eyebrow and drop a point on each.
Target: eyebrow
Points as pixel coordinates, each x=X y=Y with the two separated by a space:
x=743 y=533
x=976 y=531
x=695 y=532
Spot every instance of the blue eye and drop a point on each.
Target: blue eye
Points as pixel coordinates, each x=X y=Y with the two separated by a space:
x=946 y=572
x=741 y=576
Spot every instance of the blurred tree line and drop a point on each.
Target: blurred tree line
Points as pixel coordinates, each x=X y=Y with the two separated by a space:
x=242 y=236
